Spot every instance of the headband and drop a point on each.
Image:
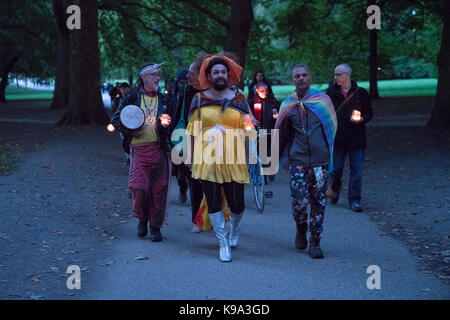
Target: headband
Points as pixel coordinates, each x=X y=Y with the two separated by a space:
x=153 y=67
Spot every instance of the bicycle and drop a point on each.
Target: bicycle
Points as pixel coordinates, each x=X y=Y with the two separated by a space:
x=255 y=170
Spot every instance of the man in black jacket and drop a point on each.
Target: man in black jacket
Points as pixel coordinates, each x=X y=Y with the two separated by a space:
x=353 y=110
x=150 y=161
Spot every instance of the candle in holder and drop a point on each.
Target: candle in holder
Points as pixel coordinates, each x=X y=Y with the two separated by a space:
x=165 y=120
x=248 y=124
x=110 y=127
x=356 y=115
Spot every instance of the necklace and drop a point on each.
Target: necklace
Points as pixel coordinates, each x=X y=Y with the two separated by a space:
x=150 y=110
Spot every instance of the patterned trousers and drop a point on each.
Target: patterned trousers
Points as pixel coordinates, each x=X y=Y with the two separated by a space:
x=304 y=191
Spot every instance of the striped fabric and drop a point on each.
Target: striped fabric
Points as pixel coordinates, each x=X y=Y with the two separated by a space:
x=318 y=103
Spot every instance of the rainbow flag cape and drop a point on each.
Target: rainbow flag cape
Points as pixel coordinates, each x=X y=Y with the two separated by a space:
x=201 y=219
x=322 y=106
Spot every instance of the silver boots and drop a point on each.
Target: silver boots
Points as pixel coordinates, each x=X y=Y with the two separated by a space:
x=234 y=230
x=218 y=222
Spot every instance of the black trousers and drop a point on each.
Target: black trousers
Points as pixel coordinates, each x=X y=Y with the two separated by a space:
x=195 y=195
x=234 y=193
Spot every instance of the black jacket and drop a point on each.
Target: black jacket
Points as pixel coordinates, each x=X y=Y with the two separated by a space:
x=307 y=146
x=350 y=134
x=267 y=120
x=164 y=106
x=190 y=93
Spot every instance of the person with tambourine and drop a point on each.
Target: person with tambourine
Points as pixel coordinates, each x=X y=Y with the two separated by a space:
x=146 y=116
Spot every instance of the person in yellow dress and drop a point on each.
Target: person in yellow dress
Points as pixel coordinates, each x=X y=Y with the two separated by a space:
x=216 y=122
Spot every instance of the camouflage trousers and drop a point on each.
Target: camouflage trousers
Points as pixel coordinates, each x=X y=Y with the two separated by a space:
x=303 y=191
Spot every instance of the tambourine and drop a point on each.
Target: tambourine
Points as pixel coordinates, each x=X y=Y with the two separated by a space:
x=132 y=117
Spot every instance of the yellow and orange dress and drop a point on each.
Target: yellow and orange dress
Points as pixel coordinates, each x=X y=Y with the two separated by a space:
x=219 y=121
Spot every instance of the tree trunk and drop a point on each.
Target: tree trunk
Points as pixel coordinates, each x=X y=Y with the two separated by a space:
x=373 y=59
x=5 y=71
x=440 y=117
x=61 y=92
x=240 y=22
x=85 y=100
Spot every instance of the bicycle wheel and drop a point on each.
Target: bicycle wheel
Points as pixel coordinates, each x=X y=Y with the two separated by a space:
x=258 y=186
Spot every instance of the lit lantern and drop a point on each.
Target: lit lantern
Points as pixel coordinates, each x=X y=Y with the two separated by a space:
x=165 y=120
x=356 y=115
x=110 y=128
x=248 y=123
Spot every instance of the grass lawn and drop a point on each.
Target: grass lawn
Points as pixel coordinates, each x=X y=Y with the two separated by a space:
x=14 y=93
x=386 y=88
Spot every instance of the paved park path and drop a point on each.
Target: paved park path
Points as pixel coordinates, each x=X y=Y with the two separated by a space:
x=66 y=203
x=265 y=265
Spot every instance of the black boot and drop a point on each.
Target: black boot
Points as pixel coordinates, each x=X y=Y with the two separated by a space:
x=182 y=197
x=155 y=234
x=314 y=247
x=142 y=228
x=300 y=237
x=334 y=197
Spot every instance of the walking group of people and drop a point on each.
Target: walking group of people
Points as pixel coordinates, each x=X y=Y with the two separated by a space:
x=316 y=132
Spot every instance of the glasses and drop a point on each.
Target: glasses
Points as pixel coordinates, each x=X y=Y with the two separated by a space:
x=339 y=74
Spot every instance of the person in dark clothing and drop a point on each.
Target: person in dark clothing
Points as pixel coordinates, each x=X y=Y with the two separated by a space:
x=265 y=109
x=188 y=92
x=307 y=125
x=116 y=95
x=124 y=90
x=180 y=171
x=257 y=78
x=354 y=110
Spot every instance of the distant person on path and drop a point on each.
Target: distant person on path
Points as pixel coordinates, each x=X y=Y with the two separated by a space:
x=150 y=166
x=212 y=113
x=115 y=96
x=257 y=78
x=307 y=124
x=124 y=89
x=180 y=171
x=353 y=110
x=264 y=108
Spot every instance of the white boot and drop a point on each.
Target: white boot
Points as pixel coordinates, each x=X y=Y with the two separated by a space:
x=235 y=226
x=218 y=222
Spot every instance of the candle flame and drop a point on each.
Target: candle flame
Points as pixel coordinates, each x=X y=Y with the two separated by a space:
x=110 y=128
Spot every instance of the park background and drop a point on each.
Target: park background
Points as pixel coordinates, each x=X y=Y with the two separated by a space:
x=63 y=187
x=117 y=36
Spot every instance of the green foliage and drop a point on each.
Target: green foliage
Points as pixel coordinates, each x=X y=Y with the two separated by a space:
x=28 y=30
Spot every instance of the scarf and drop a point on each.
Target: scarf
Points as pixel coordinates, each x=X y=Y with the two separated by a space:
x=318 y=103
x=148 y=93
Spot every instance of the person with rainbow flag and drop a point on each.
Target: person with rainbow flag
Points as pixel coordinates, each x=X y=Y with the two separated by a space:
x=307 y=126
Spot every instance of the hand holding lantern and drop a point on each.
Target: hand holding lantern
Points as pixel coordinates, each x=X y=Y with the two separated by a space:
x=165 y=120
x=356 y=116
